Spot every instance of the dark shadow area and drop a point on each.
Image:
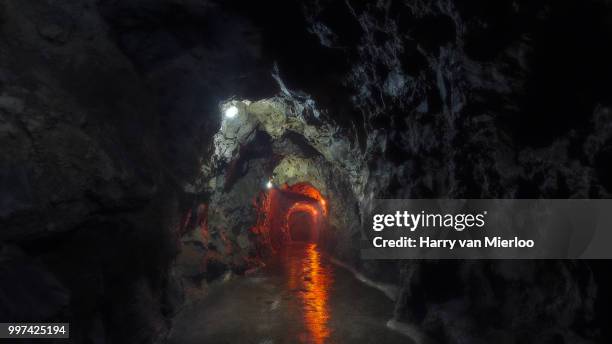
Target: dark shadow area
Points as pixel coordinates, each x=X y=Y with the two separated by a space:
x=302 y=227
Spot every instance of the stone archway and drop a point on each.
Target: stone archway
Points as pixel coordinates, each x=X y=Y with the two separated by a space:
x=289 y=210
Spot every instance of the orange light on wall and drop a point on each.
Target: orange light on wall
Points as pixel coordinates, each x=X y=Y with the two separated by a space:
x=306 y=189
x=309 y=208
x=276 y=205
x=323 y=205
x=305 y=207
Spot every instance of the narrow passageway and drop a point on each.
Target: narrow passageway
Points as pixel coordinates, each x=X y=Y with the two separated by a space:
x=301 y=226
x=299 y=297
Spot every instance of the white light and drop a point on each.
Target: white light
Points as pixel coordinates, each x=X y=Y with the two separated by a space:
x=231 y=112
x=269 y=184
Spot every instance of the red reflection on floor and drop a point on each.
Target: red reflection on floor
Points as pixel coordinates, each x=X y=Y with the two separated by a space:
x=313 y=281
x=316 y=311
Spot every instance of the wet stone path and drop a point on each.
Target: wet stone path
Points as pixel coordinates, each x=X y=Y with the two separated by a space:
x=299 y=298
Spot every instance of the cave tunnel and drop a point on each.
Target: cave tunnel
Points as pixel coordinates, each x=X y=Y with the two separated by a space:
x=202 y=171
x=295 y=212
x=302 y=225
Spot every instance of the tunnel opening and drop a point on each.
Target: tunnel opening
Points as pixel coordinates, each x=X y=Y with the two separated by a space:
x=302 y=223
x=301 y=227
x=291 y=213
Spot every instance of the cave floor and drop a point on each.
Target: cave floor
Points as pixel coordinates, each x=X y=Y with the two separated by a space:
x=300 y=297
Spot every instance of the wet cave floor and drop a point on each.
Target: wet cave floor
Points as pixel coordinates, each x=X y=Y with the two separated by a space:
x=299 y=297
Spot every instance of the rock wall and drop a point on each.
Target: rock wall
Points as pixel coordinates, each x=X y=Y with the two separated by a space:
x=479 y=100
x=85 y=207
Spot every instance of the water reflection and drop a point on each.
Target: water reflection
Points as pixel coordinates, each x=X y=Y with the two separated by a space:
x=312 y=280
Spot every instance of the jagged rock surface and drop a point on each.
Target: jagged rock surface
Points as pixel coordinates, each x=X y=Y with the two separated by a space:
x=83 y=200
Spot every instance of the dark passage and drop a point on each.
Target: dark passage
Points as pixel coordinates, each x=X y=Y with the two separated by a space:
x=299 y=297
x=301 y=227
